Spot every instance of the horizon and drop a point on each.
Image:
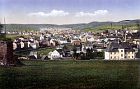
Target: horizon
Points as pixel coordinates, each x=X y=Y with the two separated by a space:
x=70 y=24
x=63 y=12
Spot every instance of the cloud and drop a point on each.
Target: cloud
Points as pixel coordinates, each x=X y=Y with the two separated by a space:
x=95 y=13
x=53 y=13
x=56 y=13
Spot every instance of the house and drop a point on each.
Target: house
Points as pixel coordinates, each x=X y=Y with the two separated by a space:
x=33 y=55
x=136 y=38
x=76 y=42
x=120 y=51
x=55 y=55
x=53 y=42
x=99 y=47
x=42 y=37
x=34 y=44
x=14 y=46
x=83 y=39
x=90 y=39
x=62 y=41
x=86 y=46
x=22 y=45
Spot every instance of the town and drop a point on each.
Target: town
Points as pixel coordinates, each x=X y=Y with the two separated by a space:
x=69 y=44
x=67 y=58
x=66 y=44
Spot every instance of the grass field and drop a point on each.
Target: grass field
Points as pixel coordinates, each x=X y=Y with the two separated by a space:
x=72 y=75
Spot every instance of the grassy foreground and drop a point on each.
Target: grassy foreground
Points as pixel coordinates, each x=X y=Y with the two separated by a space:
x=72 y=75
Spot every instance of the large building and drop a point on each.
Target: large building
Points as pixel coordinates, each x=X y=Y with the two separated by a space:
x=120 y=51
x=6 y=49
x=6 y=53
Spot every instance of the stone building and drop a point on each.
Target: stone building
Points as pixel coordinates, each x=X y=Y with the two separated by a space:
x=6 y=53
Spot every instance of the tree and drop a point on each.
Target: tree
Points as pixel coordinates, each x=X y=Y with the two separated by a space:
x=82 y=56
x=65 y=48
x=138 y=25
x=1 y=28
x=138 y=54
x=74 y=52
x=88 y=54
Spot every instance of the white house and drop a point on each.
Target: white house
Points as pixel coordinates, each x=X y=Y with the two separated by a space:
x=120 y=51
x=34 y=44
x=28 y=43
x=90 y=39
x=55 y=55
x=42 y=37
x=22 y=44
x=34 y=53
x=14 y=45
x=62 y=41
x=52 y=42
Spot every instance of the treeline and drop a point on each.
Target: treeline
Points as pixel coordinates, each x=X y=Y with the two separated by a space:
x=28 y=27
x=20 y=27
x=88 y=55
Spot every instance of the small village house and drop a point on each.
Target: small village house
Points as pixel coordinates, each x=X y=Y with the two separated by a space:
x=55 y=55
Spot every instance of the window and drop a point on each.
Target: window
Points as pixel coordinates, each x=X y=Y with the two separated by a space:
x=111 y=57
x=132 y=57
x=121 y=50
x=125 y=57
x=121 y=55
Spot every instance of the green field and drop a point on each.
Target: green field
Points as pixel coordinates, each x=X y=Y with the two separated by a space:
x=72 y=75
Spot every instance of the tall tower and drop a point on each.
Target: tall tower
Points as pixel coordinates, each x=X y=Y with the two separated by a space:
x=3 y=30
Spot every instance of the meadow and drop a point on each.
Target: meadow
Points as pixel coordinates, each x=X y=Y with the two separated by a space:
x=73 y=74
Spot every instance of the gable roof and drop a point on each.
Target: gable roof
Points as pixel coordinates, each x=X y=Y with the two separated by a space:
x=55 y=52
x=136 y=35
x=114 y=46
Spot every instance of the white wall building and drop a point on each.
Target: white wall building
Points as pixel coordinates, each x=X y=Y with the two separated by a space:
x=120 y=51
x=55 y=55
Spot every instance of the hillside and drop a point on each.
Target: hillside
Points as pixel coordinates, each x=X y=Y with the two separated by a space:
x=89 y=26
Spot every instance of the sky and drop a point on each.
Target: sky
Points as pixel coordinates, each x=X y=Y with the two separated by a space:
x=67 y=11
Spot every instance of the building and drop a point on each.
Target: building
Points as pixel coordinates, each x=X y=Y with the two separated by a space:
x=6 y=53
x=120 y=51
x=55 y=55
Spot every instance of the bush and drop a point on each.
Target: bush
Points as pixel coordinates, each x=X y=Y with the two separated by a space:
x=94 y=55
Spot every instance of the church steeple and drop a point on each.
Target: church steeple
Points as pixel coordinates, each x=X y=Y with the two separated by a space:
x=3 y=29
